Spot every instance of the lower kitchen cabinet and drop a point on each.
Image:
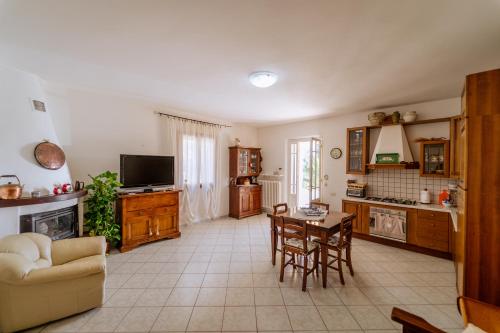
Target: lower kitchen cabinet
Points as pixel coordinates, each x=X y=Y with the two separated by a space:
x=425 y=229
x=354 y=208
x=433 y=230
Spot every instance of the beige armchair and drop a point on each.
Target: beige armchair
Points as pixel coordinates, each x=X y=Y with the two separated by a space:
x=41 y=280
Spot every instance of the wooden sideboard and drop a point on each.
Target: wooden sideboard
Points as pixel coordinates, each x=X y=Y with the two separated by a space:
x=147 y=217
x=245 y=200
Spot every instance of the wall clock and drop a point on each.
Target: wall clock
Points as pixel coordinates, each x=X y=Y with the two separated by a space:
x=336 y=153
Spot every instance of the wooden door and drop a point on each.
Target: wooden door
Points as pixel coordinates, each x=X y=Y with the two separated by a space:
x=245 y=197
x=255 y=199
x=138 y=226
x=354 y=208
x=243 y=162
x=165 y=221
x=435 y=158
x=455 y=147
x=462 y=154
x=253 y=162
x=357 y=150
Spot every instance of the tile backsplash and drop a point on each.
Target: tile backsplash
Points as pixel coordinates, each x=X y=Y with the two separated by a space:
x=405 y=184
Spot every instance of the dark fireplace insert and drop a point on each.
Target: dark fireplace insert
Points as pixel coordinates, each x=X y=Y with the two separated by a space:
x=57 y=224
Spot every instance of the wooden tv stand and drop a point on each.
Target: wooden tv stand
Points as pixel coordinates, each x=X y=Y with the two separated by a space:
x=147 y=217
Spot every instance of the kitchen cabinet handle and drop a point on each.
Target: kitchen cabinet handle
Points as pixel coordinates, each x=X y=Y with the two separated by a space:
x=150 y=231
x=157 y=229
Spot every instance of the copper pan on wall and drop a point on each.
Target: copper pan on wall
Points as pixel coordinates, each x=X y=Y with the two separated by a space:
x=49 y=155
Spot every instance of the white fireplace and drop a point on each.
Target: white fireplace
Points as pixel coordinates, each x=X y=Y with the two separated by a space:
x=22 y=129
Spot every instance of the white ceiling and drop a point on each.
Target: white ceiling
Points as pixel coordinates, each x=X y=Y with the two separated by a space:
x=331 y=56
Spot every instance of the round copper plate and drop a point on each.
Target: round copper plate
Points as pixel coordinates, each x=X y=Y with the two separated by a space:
x=49 y=155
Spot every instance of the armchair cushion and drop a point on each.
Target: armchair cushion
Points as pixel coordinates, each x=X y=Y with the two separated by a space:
x=72 y=270
x=33 y=247
x=67 y=250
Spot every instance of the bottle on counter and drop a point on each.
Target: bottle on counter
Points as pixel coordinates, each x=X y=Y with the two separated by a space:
x=443 y=196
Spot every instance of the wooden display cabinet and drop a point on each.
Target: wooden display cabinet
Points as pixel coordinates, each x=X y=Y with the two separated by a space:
x=435 y=158
x=357 y=150
x=244 y=193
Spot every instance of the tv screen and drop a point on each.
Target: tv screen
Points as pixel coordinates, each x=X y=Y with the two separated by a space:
x=144 y=170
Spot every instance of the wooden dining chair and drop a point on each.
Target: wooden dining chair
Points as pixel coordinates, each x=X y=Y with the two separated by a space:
x=482 y=315
x=339 y=243
x=321 y=205
x=280 y=208
x=296 y=244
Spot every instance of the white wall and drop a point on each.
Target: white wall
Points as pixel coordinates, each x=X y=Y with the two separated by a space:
x=332 y=131
x=95 y=128
x=21 y=129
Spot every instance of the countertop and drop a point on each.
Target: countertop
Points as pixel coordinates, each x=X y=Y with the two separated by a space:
x=435 y=207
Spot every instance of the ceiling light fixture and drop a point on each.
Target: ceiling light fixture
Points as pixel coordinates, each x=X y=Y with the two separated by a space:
x=263 y=79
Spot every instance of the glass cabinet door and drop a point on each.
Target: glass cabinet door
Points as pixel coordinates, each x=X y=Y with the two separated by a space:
x=356 y=150
x=254 y=162
x=243 y=162
x=434 y=158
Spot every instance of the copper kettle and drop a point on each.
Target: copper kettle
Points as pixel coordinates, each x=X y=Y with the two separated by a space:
x=9 y=190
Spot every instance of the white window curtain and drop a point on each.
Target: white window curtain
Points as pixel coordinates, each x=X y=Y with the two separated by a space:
x=196 y=147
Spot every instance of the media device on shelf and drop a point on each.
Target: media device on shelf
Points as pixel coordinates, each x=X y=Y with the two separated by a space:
x=146 y=173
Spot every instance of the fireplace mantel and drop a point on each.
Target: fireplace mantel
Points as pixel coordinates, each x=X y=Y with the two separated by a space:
x=41 y=200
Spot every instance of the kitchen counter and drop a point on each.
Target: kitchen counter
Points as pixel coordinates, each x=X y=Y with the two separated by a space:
x=434 y=207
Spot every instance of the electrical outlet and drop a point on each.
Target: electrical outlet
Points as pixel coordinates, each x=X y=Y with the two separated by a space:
x=333 y=194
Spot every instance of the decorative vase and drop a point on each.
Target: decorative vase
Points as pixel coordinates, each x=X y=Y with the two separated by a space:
x=396 y=117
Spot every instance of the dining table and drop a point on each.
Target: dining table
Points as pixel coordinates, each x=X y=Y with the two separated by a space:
x=322 y=227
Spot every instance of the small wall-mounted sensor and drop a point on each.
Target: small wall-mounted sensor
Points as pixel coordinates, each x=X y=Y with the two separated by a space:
x=38 y=105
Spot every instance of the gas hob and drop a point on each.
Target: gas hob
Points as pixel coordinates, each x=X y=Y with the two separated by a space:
x=393 y=200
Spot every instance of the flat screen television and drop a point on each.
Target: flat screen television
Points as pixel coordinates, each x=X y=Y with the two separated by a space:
x=146 y=170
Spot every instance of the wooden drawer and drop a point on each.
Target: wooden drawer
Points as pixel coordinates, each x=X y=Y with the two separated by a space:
x=169 y=210
x=139 y=203
x=435 y=225
x=433 y=215
x=151 y=201
x=433 y=244
x=138 y=213
x=433 y=230
x=167 y=200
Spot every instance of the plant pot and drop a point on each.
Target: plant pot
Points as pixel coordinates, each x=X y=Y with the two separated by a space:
x=396 y=117
x=108 y=246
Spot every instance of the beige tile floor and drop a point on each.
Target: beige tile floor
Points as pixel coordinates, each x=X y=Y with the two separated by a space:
x=218 y=277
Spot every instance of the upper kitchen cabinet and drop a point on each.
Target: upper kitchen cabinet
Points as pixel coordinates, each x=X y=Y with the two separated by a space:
x=244 y=162
x=357 y=150
x=435 y=158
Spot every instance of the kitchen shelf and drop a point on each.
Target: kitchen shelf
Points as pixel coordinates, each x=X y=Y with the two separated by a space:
x=416 y=122
x=41 y=200
x=398 y=166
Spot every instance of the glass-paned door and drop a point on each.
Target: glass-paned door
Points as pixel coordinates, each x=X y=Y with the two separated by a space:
x=355 y=153
x=254 y=162
x=304 y=171
x=243 y=162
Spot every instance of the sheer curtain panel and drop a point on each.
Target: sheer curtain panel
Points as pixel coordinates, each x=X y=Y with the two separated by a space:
x=196 y=148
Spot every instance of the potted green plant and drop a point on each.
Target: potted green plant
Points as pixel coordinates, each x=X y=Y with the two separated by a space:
x=100 y=213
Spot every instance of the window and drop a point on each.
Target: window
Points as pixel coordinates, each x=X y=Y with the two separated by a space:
x=198 y=160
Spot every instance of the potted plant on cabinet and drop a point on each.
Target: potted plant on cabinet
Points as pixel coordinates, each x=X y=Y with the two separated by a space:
x=100 y=214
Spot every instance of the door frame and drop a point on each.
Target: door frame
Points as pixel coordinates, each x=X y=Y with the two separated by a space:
x=292 y=198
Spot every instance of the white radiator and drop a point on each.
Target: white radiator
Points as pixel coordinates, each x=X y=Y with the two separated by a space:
x=271 y=193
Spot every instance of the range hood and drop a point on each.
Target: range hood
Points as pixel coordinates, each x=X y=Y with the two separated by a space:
x=392 y=139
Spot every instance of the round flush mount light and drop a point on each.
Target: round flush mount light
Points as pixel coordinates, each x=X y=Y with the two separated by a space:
x=263 y=79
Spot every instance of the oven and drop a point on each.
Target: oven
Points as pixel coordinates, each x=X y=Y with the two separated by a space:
x=388 y=223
